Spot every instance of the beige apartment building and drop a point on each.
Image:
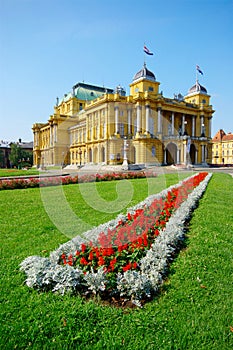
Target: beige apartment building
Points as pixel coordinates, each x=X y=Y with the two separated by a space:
x=222 y=148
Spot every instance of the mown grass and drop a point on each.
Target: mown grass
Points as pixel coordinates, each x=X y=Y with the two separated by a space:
x=193 y=311
x=18 y=172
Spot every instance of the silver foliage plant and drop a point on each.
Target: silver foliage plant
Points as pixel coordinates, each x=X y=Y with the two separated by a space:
x=96 y=282
x=46 y=274
x=43 y=274
x=153 y=266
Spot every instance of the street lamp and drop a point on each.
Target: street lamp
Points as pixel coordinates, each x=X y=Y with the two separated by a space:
x=203 y=130
x=185 y=123
x=125 y=149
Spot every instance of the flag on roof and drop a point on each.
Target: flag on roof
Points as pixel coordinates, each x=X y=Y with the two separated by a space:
x=147 y=51
x=199 y=69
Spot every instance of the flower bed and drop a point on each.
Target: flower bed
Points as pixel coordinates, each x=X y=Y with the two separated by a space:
x=11 y=184
x=127 y=257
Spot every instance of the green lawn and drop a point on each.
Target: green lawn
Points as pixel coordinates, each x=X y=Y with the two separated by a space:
x=193 y=311
x=17 y=172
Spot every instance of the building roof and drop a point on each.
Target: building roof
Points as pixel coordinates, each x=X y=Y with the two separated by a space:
x=228 y=137
x=197 y=88
x=218 y=136
x=221 y=136
x=26 y=145
x=144 y=73
x=86 y=92
x=5 y=144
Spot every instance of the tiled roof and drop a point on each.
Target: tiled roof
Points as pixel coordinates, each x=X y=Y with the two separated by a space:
x=222 y=136
x=218 y=137
x=228 y=137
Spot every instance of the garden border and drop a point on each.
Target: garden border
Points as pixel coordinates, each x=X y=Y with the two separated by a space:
x=46 y=273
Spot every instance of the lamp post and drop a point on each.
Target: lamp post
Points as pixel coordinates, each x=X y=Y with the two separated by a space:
x=185 y=124
x=125 y=149
x=203 y=130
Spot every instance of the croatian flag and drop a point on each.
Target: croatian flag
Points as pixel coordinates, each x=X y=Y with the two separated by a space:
x=147 y=51
x=199 y=70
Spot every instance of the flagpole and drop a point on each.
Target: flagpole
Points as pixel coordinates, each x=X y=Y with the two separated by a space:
x=144 y=55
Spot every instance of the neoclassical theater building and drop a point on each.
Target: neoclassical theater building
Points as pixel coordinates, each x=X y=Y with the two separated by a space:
x=93 y=124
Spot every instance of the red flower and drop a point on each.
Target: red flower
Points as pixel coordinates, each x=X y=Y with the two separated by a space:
x=101 y=261
x=129 y=216
x=83 y=247
x=83 y=261
x=91 y=256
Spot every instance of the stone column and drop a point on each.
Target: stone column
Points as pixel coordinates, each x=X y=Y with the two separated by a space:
x=55 y=133
x=139 y=108
x=185 y=153
x=147 y=118
x=172 y=130
x=202 y=122
x=159 y=120
x=193 y=125
x=51 y=135
x=178 y=156
x=183 y=124
x=129 y=121
x=210 y=126
x=116 y=120
x=196 y=156
x=203 y=153
x=165 y=156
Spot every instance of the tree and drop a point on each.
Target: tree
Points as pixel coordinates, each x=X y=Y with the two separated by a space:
x=19 y=157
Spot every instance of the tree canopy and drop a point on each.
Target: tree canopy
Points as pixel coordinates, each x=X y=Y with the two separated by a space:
x=19 y=157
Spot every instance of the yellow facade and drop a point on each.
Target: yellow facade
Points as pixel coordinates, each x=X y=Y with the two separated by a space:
x=96 y=125
x=222 y=148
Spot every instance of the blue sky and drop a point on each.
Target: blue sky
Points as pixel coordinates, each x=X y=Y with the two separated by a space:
x=49 y=45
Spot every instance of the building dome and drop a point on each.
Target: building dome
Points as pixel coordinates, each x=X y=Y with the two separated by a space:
x=144 y=73
x=197 y=88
